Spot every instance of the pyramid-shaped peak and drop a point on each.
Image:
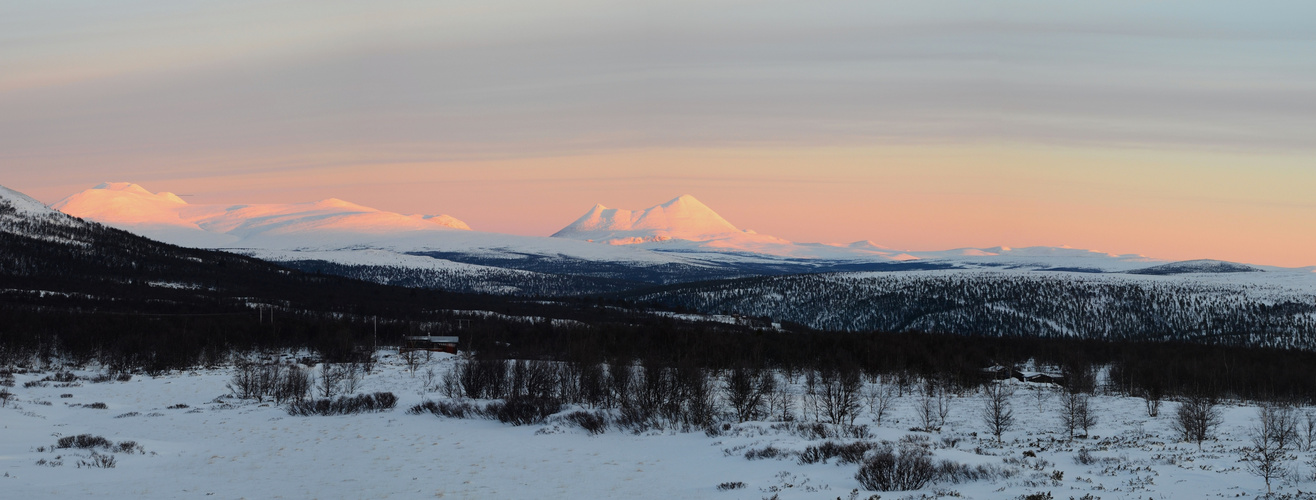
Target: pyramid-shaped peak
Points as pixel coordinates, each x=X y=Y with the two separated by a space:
x=683 y=199
x=686 y=204
x=684 y=218
x=127 y=187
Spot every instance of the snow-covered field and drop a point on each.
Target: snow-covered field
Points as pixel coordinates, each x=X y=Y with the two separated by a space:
x=194 y=440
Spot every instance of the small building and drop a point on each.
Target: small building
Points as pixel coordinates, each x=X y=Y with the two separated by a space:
x=999 y=372
x=430 y=343
x=1041 y=378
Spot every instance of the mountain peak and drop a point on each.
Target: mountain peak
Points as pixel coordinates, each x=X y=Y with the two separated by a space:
x=167 y=217
x=342 y=204
x=682 y=218
x=122 y=186
x=683 y=199
x=118 y=190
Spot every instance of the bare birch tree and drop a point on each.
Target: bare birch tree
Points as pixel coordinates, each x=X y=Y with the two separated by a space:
x=997 y=412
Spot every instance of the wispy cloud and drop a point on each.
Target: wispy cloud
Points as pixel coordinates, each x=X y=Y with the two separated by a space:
x=290 y=91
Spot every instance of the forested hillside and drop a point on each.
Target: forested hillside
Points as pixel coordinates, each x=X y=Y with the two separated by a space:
x=1005 y=305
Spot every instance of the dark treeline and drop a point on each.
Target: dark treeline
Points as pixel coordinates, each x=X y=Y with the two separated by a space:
x=1168 y=368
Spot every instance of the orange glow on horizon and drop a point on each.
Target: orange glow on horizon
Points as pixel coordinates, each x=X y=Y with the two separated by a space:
x=1174 y=206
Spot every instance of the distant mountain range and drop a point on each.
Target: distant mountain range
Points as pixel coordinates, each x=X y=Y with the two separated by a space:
x=166 y=217
x=678 y=256
x=679 y=240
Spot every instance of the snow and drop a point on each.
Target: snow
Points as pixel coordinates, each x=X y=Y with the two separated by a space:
x=681 y=218
x=28 y=215
x=686 y=225
x=24 y=204
x=228 y=448
x=681 y=231
x=166 y=217
x=371 y=257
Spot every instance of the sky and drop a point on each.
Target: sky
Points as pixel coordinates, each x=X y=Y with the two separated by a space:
x=1173 y=129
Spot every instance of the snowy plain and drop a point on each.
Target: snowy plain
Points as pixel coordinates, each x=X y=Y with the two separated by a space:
x=212 y=444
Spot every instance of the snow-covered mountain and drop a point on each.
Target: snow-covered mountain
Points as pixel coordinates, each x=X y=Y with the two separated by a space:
x=167 y=217
x=681 y=240
x=683 y=218
x=20 y=207
x=685 y=225
x=22 y=215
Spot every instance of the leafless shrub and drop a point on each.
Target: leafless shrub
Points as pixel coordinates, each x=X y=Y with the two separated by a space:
x=1040 y=394
x=1152 y=400
x=1271 y=437
x=767 y=452
x=129 y=447
x=1308 y=434
x=483 y=378
x=1196 y=418
x=888 y=469
x=933 y=406
x=880 y=398
x=282 y=382
x=345 y=405
x=1084 y=457
x=747 y=391
x=351 y=376
x=957 y=473
x=780 y=402
x=83 y=441
x=99 y=461
x=534 y=379
x=444 y=409
x=331 y=377
x=411 y=358
x=61 y=377
x=837 y=394
x=593 y=422
x=620 y=383
x=851 y=453
x=523 y=410
x=1076 y=412
x=730 y=485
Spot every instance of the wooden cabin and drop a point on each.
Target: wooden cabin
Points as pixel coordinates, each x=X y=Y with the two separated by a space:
x=1002 y=372
x=430 y=343
x=1042 y=378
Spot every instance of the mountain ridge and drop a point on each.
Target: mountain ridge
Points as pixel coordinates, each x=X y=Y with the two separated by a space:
x=681 y=239
x=167 y=217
